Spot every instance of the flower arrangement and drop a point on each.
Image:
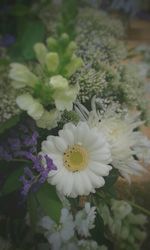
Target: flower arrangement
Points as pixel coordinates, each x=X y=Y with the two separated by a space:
x=69 y=131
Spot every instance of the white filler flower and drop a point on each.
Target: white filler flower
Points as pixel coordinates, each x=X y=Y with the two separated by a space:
x=81 y=155
x=58 y=234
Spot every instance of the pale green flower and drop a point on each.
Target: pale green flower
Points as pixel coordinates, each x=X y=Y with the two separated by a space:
x=52 y=61
x=73 y=66
x=64 y=94
x=64 y=99
x=58 y=82
x=49 y=119
x=22 y=76
x=33 y=107
x=41 y=52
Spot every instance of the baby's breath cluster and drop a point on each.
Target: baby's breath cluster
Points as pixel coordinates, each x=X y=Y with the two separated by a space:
x=8 y=106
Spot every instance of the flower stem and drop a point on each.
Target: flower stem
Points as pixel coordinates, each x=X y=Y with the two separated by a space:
x=144 y=210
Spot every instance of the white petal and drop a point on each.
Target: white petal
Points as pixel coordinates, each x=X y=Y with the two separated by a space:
x=99 y=168
x=97 y=181
x=67 y=135
x=60 y=144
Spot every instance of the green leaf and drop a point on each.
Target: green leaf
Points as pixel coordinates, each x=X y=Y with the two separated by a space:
x=111 y=179
x=32 y=208
x=9 y=123
x=98 y=231
x=20 y=10
x=49 y=201
x=33 y=32
x=13 y=183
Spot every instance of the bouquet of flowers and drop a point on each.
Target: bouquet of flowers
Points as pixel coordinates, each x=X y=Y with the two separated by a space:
x=70 y=128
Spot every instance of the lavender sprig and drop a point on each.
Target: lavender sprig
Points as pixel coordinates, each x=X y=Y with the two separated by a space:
x=33 y=179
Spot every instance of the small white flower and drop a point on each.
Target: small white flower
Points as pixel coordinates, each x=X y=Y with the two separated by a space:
x=57 y=235
x=81 y=155
x=21 y=76
x=84 y=220
x=33 y=107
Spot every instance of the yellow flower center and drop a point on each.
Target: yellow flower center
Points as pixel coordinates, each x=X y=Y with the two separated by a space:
x=75 y=158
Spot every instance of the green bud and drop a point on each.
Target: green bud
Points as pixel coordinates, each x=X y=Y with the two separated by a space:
x=52 y=61
x=71 y=48
x=64 y=39
x=73 y=66
x=51 y=43
x=58 y=82
x=40 y=51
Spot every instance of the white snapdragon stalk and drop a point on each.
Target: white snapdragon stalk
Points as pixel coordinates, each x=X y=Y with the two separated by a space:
x=84 y=220
x=58 y=235
x=82 y=156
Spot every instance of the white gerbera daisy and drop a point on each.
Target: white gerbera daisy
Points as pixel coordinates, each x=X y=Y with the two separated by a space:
x=81 y=155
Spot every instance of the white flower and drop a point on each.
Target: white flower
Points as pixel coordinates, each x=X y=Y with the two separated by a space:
x=64 y=95
x=81 y=155
x=33 y=107
x=21 y=76
x=57 y=235
x=84 y=220
x=122 y=138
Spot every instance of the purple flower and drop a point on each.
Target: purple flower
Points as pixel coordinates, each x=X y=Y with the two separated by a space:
x=20 y=141
x=34 y=177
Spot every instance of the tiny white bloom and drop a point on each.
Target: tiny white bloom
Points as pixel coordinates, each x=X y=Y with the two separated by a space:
x=58 y=235
x=82 y=156
x=84 y=220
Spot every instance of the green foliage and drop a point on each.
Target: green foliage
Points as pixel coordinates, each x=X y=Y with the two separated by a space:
x=9 y=123
x=32 y=208
x=44 y=93
x=49 y=201
x=33 y=31
x=98 y=231
x=69 y=13
x=12 y=182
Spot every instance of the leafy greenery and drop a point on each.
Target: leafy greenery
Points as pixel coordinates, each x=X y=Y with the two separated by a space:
x=49 y=201
x=33 y=31
x=9 y=123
